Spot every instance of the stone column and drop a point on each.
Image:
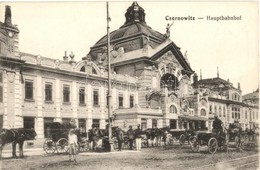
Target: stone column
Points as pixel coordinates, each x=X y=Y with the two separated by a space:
x=177 y=124
x=126 y=103
x=39 y=119
x=103 y=116
x=5 y=100
x=89 y=107
x=149 y=123
x=159 y=123
x=58 y=100
x=74 y=101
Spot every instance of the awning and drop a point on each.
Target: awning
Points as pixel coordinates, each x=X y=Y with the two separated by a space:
x=193 y=117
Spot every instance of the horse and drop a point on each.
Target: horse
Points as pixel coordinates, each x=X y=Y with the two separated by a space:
x=14 y=136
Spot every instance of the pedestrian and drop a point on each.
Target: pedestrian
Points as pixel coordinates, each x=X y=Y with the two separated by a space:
x=73 y=144
x=119 y=134
x=138 y=133
x=93 y=137
x=130 y=134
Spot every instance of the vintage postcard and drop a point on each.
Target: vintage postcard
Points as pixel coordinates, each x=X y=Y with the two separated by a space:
x=129 y=85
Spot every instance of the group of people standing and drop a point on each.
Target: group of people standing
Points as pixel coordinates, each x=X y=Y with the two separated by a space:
x=131 y=135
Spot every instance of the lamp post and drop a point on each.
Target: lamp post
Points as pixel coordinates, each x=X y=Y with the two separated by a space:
x=109 y=83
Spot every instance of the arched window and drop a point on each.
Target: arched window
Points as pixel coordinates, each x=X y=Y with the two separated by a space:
x=173 y=109
x=224 y=112
x=203 y=112
x=83 y=69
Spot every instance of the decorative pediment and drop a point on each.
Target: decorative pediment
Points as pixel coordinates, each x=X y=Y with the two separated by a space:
x=172 y=54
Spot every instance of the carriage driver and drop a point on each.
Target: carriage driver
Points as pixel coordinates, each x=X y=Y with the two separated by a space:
x=217 y=126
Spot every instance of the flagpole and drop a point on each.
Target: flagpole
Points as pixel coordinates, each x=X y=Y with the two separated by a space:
x=109 y=83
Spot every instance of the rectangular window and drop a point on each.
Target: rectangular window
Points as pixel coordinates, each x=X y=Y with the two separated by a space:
x=131 y=101
x=82 y=95
x=66 y=93
x=154 y=123
x=28 y=89
x=82 y=125
x=173 y=124
x=28 y=122
x=95 y=98
x=96 y=123
x=143 y=124
x=48 y=92
x=47 y=127
x=224 y=112
x=120 y=100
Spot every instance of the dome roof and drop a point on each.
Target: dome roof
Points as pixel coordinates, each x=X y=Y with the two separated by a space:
x=134 y=25
x=131 y=30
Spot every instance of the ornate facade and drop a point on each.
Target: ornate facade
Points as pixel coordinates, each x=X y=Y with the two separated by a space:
x=152 y=84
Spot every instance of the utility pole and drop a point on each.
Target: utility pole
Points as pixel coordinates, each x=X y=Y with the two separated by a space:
x=109 y=83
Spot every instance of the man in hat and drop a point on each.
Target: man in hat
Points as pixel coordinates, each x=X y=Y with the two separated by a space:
x=138 y=137
x=130 y=134
x=217 y=126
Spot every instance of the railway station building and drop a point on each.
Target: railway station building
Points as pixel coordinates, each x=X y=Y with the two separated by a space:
x=153 y=84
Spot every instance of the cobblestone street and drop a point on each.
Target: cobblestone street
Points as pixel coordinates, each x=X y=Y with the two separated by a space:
x=170 y=157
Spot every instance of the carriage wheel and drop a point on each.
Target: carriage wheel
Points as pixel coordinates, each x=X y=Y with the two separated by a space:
x=192 y=139
x=213 y=145
x=182 y=139
x=62 y=145
x=49 y=146
x=170 y=141
x=195 y=144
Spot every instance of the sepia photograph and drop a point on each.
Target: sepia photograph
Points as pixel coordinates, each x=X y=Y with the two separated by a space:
x=129 y=85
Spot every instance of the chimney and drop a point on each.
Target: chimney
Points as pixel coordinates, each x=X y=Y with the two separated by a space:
x=200 y=74
x=238 y=85
x=195 y=79
x=8 y=16
x=65 y=58
x=217 y=72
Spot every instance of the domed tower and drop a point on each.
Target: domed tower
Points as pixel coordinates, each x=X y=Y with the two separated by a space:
x=129 y=37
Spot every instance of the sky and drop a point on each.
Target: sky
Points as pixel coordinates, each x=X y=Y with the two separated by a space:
x=48 y=29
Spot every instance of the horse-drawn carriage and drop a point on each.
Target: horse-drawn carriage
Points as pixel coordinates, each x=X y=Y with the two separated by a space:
x=57 y=140
x=214 y=140
x=251 y=137
x=180 y=135
x=236 y=135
